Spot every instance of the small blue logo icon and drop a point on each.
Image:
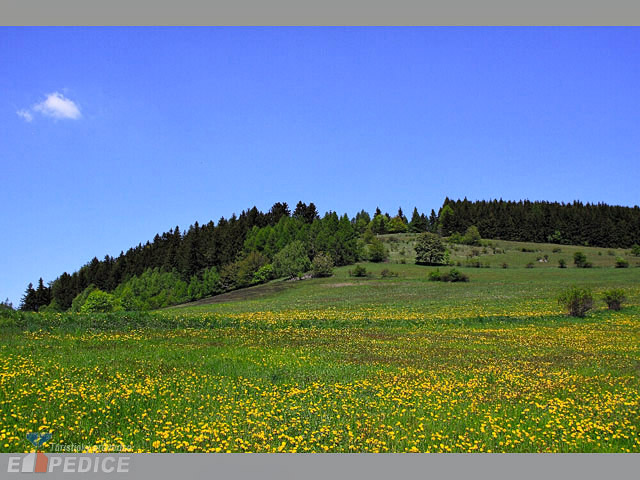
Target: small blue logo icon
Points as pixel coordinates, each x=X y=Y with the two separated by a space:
x=38 y=438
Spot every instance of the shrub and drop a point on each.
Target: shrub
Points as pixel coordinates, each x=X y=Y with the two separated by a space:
x=577 y=301
x=81 y=298
x=99 y=301
x=614 y=298
x=562 y=263
x=580 y=260
x=454 y=275
x=505 y=265
x=556 y=250
x=621 y=263
x=322 y=265
x=635 y=250
x=456 y=238
x=435 y=276
x=611 y=253
x=53 y=307
x=472 y=236
x=530 y=265
x=388 y=273
x=129 y=301
x=264 y=274
x=6 y=307
x=527 y=250
x=358 y=271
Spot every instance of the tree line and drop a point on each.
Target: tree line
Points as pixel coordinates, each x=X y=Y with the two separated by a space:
x=213 y=258
x=597 y=225
x=256 y=247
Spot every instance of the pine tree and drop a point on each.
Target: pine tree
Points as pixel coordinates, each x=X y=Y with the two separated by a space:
x=401 y=215
x=416 y=224
x=42 y=295
x=29 y=303
x=433 y=221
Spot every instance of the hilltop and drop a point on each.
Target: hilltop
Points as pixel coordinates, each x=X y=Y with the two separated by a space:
x=255 y=248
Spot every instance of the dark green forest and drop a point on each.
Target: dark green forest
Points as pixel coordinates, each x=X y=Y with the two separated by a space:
x=255 y=247
x=596 y=225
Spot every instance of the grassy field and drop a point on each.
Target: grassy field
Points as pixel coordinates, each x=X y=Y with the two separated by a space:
x=495 y=253
x=343 y=364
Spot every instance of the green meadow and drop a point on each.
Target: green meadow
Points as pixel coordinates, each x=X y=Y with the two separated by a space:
x=345 y=364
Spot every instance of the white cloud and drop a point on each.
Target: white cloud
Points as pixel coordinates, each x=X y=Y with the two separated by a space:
x=57 y=105
x=25 y=114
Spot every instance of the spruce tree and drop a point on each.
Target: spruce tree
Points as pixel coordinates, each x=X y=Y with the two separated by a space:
x=29 y=303
x=415 y=225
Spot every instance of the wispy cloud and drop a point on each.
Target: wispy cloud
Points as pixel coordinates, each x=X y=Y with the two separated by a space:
x=55 y=105
x=25 y=114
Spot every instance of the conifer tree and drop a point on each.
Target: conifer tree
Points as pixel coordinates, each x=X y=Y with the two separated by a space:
x=29 y=302
x=416 y=225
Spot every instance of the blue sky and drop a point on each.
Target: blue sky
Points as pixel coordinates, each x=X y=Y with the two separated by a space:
x=110 y=135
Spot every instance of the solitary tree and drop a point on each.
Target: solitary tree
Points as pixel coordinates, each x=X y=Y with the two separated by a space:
x=429 y=249
x=322 y=265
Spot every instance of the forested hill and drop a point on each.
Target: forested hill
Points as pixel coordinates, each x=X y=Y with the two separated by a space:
x=255 y=247
x=597 y=225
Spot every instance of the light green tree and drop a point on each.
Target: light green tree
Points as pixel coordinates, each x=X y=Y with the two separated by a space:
x=292 y=261
x=429 y=249
x=99 y=301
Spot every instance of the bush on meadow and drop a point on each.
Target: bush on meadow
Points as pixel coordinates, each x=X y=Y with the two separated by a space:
x=621 y=263
x=614 y=298
x=577 y=301
x=358 y=271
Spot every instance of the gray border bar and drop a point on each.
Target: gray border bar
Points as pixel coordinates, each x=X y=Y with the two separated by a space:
x=315 y=12
x=366 y=466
